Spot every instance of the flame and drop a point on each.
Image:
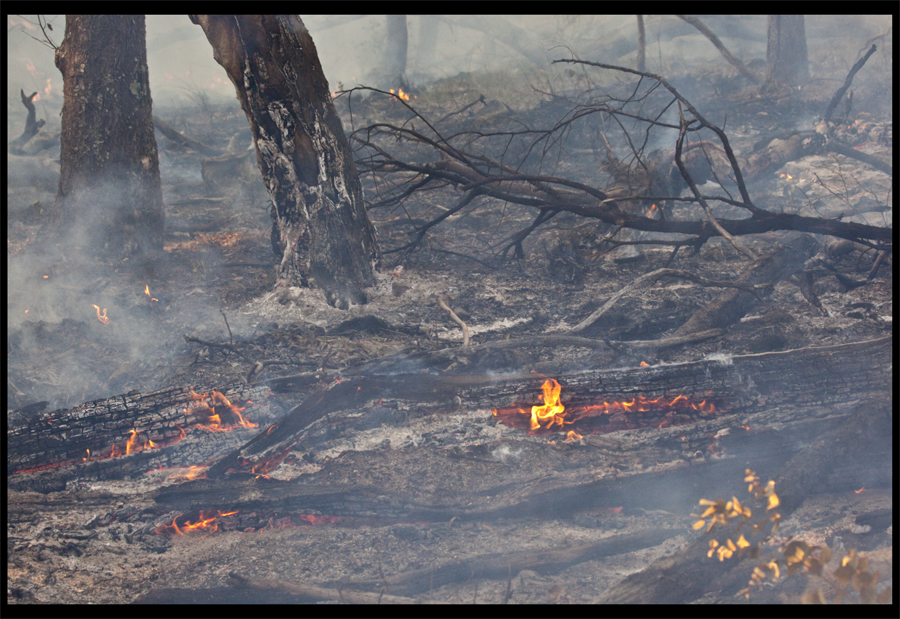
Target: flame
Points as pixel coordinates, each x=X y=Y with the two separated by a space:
x=213 y=412
x=637 y=412
x=101 y=317
x=644 y=364
x=147 y=292
x=573 y=436
x=860 y=490
x=47 y=89
x=651 y=211
x=207 y=521
x=400 y=95
x=787 y=177
x=552 y=410
x=191 y=473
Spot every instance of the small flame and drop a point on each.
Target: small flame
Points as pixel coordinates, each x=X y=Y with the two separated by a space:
x=207 y=521
x=212 y=413
x=147 y=292
x=101 y=317
x=644 y=364
x=400 y=95
x=573 y=436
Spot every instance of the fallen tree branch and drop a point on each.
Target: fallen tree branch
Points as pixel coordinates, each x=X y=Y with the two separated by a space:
x=173 y=134
x=344 y=596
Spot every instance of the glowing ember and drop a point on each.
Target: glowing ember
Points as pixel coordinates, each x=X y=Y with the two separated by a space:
x=101 y=317
x=638 y=412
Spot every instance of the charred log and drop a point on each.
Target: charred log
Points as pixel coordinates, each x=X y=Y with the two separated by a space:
x=732 y=305
x=741 y=383
x=32 y=125
x=127 y=435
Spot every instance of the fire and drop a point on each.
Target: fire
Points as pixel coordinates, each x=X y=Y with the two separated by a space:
x=101 y=317
x=400 y=95
x=573 y=436
x=551 y=411
x=190 y=473
x=639 y=411
x=218 y=415
x=147 y=292
x=206 y=521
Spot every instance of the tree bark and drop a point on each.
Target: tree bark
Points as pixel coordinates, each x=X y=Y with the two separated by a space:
x=321 y=226
x=110 y=197
x=786 y=60
x=396 y=51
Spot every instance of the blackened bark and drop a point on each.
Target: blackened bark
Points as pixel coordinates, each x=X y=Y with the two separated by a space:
x=321 y=227
x=396 y=50
x=110 y=197
x=786 y=59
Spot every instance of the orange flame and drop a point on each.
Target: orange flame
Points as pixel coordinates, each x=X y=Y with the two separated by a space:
x=147 y=292
x=400 y=95
x=207 y=521
x=101 y=317
x=637 y=412
x=218 y=415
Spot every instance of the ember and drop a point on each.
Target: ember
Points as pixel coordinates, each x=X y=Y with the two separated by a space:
x=639 y=412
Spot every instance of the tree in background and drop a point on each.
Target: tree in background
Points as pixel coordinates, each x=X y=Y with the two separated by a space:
x=110 y=198
x=786 y=60
x=321 y=226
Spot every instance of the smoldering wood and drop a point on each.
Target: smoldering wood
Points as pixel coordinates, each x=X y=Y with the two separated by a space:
x=54 y=447
x=743 y=382
x=689 y=573
x=32 y=125
x=321 y=228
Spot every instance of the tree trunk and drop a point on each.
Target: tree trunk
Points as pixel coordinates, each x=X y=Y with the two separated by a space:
x=396 y=50
x=426 y=55
x=786 y=53
x=321 y=227
x=110 y=197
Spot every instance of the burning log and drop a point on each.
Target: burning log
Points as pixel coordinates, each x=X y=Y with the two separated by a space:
x=129 y=434
x=744 y=383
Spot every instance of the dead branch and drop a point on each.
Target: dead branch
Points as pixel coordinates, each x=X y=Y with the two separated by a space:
x=32 y=126
x=456 y=319
x=852 y=153
x=709 y=34
x=642 y=46
x=173 y=134
x=679 y=146
x=839 y=94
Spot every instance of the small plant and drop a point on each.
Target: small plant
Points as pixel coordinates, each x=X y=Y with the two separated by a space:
x=791 y=555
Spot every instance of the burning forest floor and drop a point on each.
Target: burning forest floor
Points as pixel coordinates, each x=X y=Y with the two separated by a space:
x=209 y=315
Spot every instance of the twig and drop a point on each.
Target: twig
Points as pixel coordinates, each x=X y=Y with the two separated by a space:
x=878 y=261
x=480 y=98
x=230 y=337
x=651 y=277
x=679 y=145
x=829 y=111
x=456 y=318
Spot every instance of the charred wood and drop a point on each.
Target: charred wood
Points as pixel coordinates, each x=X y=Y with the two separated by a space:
x=732 y=305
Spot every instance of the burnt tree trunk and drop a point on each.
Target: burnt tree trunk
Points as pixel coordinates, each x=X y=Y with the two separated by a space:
x=396 y=51
x=786 y=60
x=110 y=197
x=321 y=227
